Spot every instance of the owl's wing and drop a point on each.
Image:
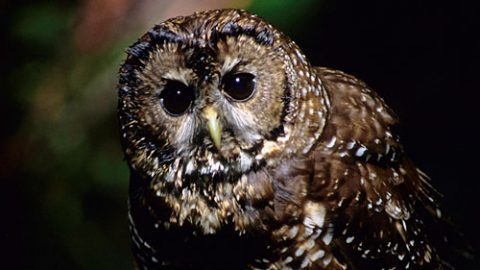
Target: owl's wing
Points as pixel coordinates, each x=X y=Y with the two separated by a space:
x=383 y=210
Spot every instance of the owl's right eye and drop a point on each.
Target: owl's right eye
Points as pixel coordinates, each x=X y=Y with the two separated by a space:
x=176 y=97
x=239 y=86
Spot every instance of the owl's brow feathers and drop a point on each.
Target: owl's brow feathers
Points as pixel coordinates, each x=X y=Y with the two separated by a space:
x=160 y=35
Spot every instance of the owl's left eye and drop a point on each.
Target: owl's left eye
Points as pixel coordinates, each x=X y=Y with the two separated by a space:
x=176 y=97
x=239 y=86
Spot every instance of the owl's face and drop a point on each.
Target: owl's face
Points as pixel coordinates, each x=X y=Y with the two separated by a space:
x=208 y=98
x=212 y=98
x=211 y=88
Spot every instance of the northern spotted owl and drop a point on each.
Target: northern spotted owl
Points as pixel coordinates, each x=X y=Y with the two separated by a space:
x=245 y=156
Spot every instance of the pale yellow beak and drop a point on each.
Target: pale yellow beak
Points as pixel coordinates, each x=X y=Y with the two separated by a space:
x=213 y=125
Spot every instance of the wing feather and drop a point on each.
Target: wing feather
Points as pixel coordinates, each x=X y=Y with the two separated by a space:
x=384 y=210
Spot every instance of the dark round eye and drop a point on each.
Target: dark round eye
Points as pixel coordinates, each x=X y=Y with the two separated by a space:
x=176 y=97
x=239 y=86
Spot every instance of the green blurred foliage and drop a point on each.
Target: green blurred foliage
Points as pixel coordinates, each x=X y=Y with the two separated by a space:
x=74 y=179
x=40 y=24
x=286 y=15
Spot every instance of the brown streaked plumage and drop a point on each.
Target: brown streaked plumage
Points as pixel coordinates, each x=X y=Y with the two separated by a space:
x=244 y=156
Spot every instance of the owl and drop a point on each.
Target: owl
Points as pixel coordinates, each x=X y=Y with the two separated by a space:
x=245 y=156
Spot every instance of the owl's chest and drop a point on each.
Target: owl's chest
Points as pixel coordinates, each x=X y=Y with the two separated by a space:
x=241 y=235
x=179 y=247
x=185 y=246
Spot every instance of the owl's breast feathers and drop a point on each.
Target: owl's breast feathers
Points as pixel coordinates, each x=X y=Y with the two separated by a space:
x=355 y=201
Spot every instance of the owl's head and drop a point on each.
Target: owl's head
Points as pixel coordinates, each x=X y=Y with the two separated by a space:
x=216 y=94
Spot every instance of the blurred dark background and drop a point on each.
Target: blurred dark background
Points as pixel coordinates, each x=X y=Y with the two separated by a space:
x=63 y=181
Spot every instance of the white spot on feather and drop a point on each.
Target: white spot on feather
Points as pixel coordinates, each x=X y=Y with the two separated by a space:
x=317 y=255
x=349 y=239
x=327 y=238
x=293 y=232
x=299 y=252
x=331 y=143
x=314 y=214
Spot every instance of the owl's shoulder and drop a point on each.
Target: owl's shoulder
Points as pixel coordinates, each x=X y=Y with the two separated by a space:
x=353 y=100
x=359 y=119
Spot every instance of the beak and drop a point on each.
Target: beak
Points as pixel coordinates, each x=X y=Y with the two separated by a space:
x=213 y=125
